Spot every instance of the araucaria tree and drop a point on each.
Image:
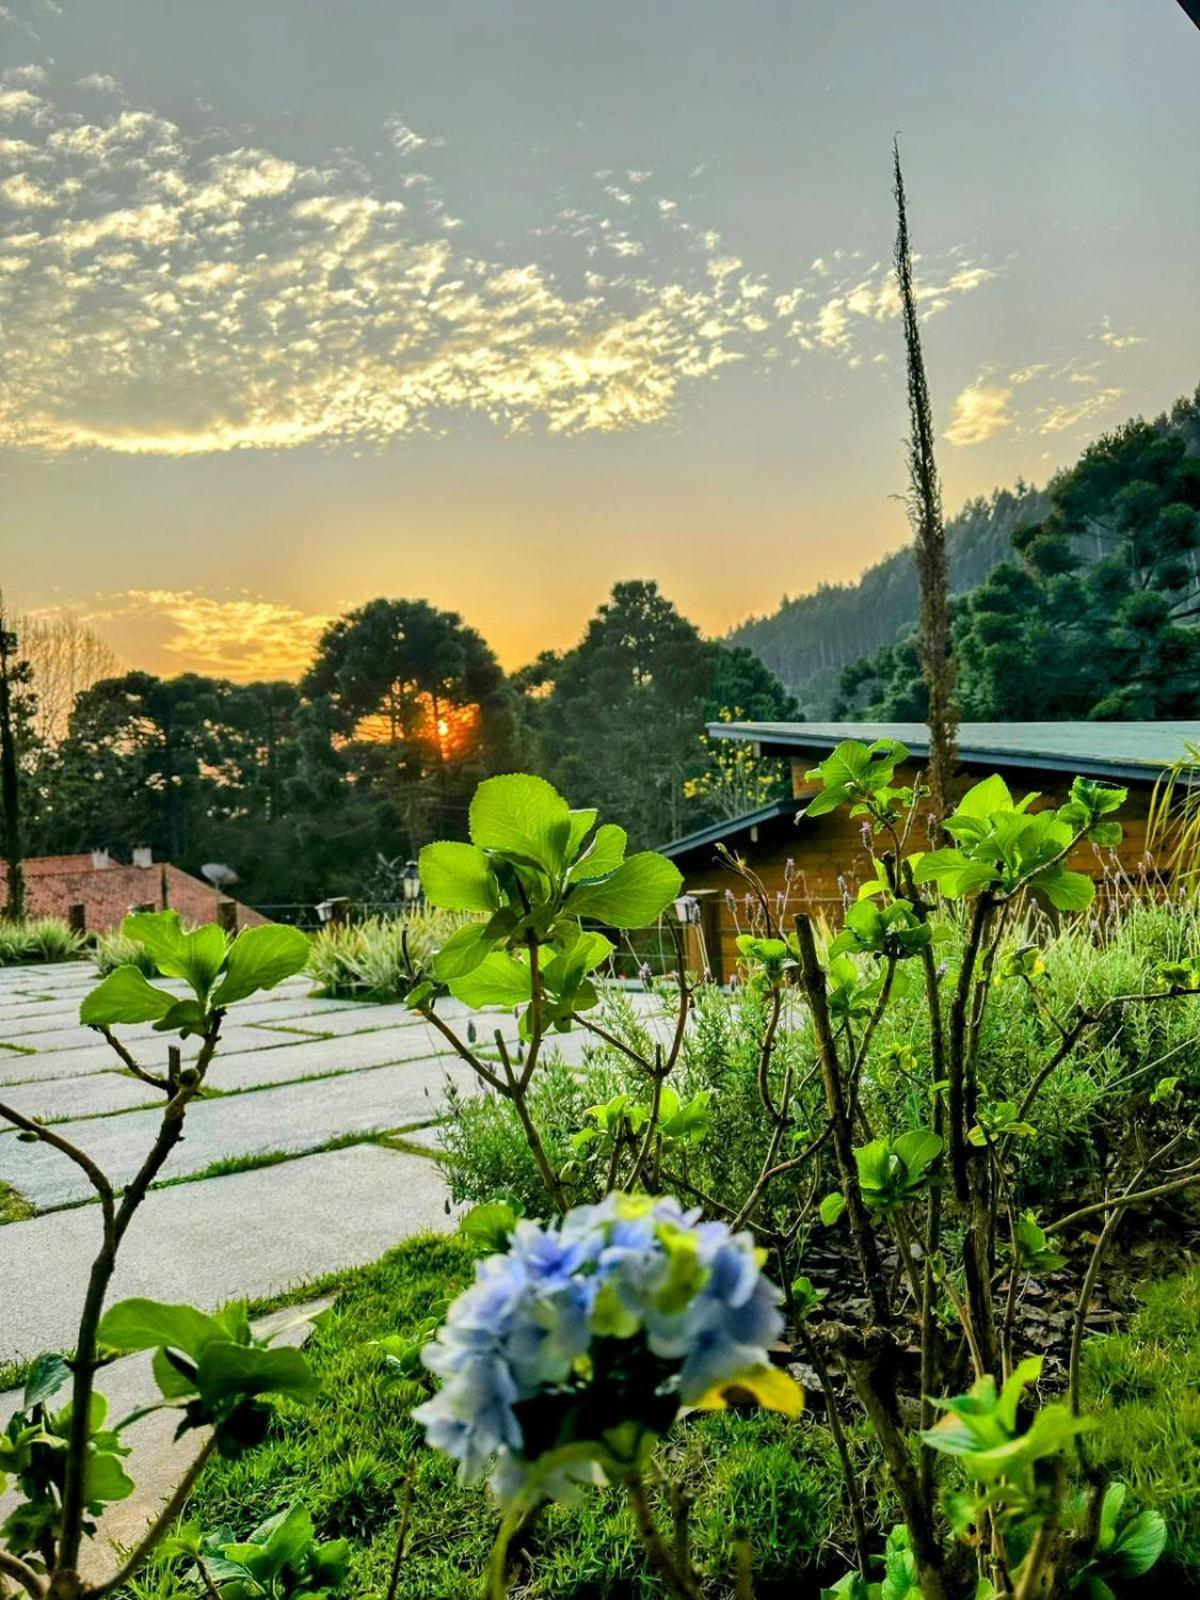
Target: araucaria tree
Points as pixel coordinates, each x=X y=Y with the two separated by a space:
x=422 y=706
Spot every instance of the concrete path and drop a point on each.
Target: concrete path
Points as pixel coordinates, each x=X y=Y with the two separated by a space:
x=251 y=1234
x=295 y=1073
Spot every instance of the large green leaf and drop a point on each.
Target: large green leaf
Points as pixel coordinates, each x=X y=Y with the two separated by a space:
x=462 y=952
x=203 y=957
x=124 y=996
x=1065 y=890
x=161 y=935
x=105 y=1479
x=458 y=877
x=227 y=1369
x=151 y=1324
x=631 y=897
x=604 y=855
x=498 y=980
x=523 y=816
x=983 y=798
x=260 y=958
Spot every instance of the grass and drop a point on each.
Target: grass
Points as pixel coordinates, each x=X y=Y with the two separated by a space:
x=37 y=940
x=347 y=1457
x=13 y=1206
x=367 y=960
x=1146 y=1384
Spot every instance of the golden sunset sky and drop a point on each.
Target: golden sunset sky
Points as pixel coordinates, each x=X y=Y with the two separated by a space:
x=496 y=302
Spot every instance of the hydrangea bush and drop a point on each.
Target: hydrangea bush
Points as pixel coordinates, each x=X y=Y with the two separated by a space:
x=576 y=1348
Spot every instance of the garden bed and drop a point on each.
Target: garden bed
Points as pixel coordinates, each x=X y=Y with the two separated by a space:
x=346 y=1458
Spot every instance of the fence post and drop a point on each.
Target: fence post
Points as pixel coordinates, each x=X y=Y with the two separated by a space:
x=709 y=931
x=227 y=915
x=77 y=917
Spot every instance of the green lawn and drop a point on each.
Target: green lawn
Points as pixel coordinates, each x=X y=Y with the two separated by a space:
x=346 y=1459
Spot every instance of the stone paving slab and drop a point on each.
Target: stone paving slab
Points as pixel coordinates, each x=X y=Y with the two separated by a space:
x=299 y=1116
x=100 y=1092
x=250 y=1234
x=96 y=1094
x=25 y=1066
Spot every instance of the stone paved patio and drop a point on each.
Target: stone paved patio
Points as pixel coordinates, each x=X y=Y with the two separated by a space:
x=295 y=1073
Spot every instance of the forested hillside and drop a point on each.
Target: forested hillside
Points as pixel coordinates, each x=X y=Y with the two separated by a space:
x=1094 y=614
x=810 y=638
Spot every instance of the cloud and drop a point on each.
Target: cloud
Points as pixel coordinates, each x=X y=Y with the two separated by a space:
x=174 y=294
x=1115 y=340
x=980 y=412
x=242 y=637
x=99 y=83
x=1058 y=418
x=405 y=139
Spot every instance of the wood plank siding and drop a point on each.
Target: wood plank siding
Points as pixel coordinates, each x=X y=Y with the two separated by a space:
x=819 y=864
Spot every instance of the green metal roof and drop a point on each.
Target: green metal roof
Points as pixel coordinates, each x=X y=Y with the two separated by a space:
x=717 y=831
x=1138 y=750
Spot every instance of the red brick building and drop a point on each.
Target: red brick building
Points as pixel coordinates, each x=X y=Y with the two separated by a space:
x=109 y=891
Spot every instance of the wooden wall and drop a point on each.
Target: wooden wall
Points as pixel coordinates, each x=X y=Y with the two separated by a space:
x=829 y=857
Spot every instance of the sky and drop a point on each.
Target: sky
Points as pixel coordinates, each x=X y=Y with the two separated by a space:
x=498 y=302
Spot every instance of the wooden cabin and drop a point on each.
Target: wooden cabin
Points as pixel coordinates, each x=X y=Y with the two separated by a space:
x=817 y=864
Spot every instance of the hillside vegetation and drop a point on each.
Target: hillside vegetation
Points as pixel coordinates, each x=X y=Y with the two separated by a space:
x=810 y=639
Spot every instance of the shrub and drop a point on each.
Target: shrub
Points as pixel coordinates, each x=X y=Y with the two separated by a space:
x=366 y=960
x=37 y=940
x=117 y=949
x=919 y=1085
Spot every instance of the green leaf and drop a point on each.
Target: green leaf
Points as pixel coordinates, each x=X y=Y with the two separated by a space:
x=46 y=1376
x=226 y=1369
x=633 y=896
x=1139 y=1544
x=105 y=1479
x=832 y=1207
x=458 y=877
x=522 y=815
x=498 y=980
x=604 y=855
x=983 y=798
x=918 y=1150
x=260 y=958
x=203 y=956
x=150 y=1324
x=490 y=1226
x=161 y=935
x=174 y=1374
x=954 y=872
x=1066 y=891
x=124 y=996
x=463 y=951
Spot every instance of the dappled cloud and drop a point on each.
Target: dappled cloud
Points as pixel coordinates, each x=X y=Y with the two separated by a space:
x=176 y=293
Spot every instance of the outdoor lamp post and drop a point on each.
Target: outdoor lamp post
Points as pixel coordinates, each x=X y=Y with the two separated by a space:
x=410 y=884
x=687 y=909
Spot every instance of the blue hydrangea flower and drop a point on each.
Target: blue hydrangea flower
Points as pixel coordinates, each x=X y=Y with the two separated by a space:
x=633 y=1297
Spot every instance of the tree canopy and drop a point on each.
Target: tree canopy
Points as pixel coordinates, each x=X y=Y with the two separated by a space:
x=620 y=716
